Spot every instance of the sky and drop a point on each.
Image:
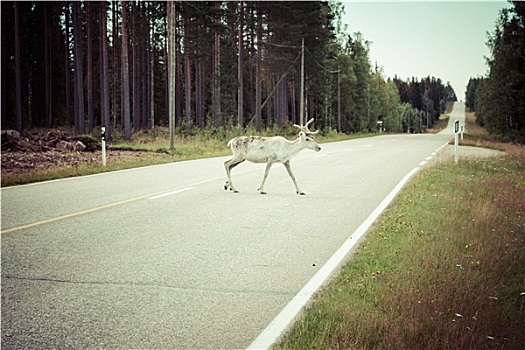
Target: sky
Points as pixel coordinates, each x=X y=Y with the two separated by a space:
x=449 y=43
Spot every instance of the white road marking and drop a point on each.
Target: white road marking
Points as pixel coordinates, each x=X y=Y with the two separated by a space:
x=428 y=158
x=172 y=193
x=281 y=322
x=442 y=146
x=423 y=163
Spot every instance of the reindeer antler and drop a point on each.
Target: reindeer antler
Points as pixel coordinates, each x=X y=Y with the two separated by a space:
x=305 y=128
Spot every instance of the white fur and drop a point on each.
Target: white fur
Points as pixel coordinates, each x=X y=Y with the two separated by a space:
x=269 y=150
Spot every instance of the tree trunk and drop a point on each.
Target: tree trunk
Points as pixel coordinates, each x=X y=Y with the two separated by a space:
x=216 y=75
x=47 y=63
x=199 y=94
x=293 y=103
x=258 y=80
x=270 y=111
x=80 y=127
x=166 y=65
x=179 y=76
x=68 y=70
x=278 y=103
x=125 y=73
x=144 y=62
x=283 y=115
x=106 y=116
x=115 y=63
x=18 y=78
x=252 y=56
x=90 y=66
x=187 y=72
x=136 y=67
x=240 y=69
x=151 y=64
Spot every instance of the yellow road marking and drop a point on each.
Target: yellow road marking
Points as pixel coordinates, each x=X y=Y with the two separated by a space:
x=87 y=211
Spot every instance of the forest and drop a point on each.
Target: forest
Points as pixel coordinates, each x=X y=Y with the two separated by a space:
x=499 y=98
x=135 y=65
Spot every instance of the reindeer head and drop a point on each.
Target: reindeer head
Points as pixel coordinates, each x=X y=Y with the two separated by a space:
x=305 y=130
x=308 y=141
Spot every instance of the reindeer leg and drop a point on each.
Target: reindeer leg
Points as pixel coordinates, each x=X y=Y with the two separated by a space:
x=266 y=172
x=228 y=183
x=229 y=165
x=289 y=169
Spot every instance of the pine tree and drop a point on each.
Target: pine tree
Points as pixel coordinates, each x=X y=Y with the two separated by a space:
x=501 y=105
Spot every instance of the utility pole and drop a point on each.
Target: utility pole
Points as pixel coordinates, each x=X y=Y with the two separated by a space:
x=171 y=71
x=240 y=70
x=301 y=90
x=339 y=100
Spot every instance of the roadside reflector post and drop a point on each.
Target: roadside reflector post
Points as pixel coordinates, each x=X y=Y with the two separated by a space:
x=462 y=131
x=456 y=130
x=103 y=146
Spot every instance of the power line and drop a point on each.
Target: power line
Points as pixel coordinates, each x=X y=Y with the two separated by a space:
x=320 y=65
x=281 y=45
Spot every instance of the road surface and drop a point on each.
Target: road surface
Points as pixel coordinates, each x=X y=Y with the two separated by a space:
x=163 y=257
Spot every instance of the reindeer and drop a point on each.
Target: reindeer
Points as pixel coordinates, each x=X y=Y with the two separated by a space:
x=269 y=150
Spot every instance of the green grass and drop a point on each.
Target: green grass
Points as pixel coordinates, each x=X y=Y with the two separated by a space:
x=442 y=268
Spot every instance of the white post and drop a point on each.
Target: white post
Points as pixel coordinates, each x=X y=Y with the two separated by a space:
x=339 y=101
x=103 y=146
x=462 y=131
x=301 y=89
x=456 y=130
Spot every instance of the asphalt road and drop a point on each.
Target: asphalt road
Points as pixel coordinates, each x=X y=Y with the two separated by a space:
x=163 y=257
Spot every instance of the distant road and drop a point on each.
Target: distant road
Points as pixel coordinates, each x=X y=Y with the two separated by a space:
x=458 y=113
x=163 y=257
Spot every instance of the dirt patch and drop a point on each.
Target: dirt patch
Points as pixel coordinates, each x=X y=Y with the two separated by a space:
x=470 y=152
x=44 y=149
x=14 y=163
x=53 y=150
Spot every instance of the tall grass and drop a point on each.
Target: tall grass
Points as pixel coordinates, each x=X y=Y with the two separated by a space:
x=443 y=267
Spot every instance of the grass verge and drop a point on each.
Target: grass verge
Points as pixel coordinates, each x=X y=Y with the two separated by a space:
x=144 y=149
x=442 y=268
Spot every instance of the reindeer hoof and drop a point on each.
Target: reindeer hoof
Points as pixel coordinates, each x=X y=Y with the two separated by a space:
x=263 y=192
x=301 y=193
